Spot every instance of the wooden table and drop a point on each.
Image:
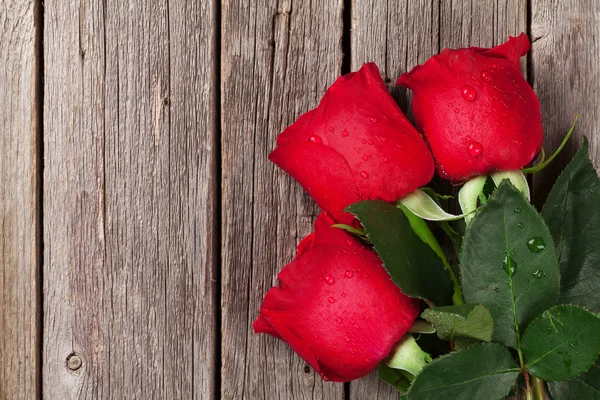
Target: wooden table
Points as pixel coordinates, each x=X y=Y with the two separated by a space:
x=140 y=220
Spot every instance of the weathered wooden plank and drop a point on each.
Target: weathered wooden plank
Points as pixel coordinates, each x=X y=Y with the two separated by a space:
x=400 y=35
x=277 y=61
x=566 y=78
x=20 y=245
x=129 y=199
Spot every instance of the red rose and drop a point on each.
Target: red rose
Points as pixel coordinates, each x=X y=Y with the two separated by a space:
x=336 y=306
x=356 y=145
x=476 y=110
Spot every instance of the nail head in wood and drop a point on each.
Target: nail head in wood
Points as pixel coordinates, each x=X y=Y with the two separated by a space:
x=74 y=362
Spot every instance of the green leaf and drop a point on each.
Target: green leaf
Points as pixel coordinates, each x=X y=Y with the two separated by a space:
x=583 y=387
x=411 y=263
x=562 y=343
x=468 y=196
x=394 y=377
x=420 y=326
x=408 y=356
x=482 y=371
x=572 y=213
x=466 y=321
x=422 y=205
x=508 y=263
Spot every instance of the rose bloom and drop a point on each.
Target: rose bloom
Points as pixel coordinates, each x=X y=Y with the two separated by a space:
x=476 y=109
x=336 y=305
x=356 y=145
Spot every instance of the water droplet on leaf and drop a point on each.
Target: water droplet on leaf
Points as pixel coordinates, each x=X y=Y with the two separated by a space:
x=509 y=265
x=517 y=210
x=538 y=274
x=536 y=244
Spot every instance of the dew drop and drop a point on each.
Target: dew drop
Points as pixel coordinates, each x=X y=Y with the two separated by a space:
x=538 y=274
x=485 y=76
x=370 y=141
x=456 y=110
x=536 y=244
x=517 y=210
x=365 y=157
x=509 y=265
x=329 y=279
x=325 y=378
x=346 y=338
x=364 y=141
x=374 y=120
x=343 y=294
x=497 y=290
x=468 y=93
x=330 y=129
x=383 y=139
x=364 y=174
x=315 y=139
x=475 y=149
x=339 y=320
x=517 y=142
x=349 y=274
x=521 y=225
x=344 y=133
x=331 y=300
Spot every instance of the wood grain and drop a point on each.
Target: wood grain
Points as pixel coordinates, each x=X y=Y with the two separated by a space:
x=277 y=61
x=129 y=199
x=400 y=35
x=20 y=243
x=566 y=78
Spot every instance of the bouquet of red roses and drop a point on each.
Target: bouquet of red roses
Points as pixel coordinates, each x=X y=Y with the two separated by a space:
x=508 y=305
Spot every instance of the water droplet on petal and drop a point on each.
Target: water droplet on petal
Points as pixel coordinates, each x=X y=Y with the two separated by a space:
x=364 y=174
x=325 y=378
x=365 y=157
x=349 y=274
x=346 y=338
x=343 y=294
x=456 y=110
x=331 y=300
x=468 y=93
x=330 y=129
x=374 y=120
x=517 y=142
x=383 y=139
x=344 y=133
x=329 y=279
x=315 y=139
x=370 y=141
x=364 y=141
x=338 y=320
x=475 y=149
x=536 y=244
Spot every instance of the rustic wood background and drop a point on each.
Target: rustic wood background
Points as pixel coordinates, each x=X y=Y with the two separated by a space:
x=140 y=220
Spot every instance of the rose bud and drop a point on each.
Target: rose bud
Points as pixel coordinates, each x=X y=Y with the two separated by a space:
x=336 y=305
x=356 y=145
x=476 y=109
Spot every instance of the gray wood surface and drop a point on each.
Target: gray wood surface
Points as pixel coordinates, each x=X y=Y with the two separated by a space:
x=566 y=77
x=277 y=61
x=20 y=243
x=129 y=199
